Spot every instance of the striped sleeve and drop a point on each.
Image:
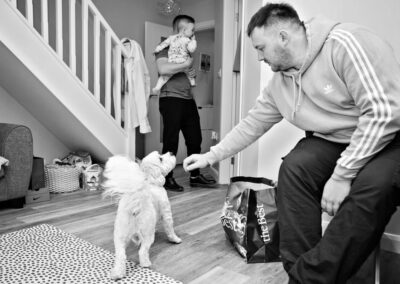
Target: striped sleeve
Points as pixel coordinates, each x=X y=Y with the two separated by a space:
x=261 y=117
x=369 y=69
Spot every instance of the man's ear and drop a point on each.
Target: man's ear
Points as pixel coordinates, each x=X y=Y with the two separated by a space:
x=284 y=37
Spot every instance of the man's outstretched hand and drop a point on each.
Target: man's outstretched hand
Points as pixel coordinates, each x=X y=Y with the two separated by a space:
x=195 y=161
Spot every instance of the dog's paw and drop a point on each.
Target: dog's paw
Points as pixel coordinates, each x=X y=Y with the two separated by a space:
x=145 y=263
x=116 y=274
x=175 y=239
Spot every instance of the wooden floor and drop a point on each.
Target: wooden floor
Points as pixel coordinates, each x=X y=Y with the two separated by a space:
x=204 y=256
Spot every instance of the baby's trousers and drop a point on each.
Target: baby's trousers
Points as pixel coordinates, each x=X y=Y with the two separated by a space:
x=358 y=225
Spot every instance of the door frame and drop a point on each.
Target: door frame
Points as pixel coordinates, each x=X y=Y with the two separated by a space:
x=238 y=92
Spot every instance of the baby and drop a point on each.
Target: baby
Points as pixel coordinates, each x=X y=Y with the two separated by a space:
x=181 y=45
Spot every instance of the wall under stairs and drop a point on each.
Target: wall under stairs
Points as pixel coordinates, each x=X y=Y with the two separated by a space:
x=32 y=73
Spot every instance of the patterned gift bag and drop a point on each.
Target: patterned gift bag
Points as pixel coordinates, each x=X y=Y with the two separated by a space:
x=249 y=218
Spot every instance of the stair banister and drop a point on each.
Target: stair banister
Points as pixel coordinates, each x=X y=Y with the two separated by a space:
x=114 y=50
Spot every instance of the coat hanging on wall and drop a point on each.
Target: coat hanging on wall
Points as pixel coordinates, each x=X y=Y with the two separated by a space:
x=137 y=85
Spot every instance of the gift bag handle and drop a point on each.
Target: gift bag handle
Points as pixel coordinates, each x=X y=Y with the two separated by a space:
x=254 y=181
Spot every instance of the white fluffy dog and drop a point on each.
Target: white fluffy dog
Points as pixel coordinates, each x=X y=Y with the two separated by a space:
x=142 y=202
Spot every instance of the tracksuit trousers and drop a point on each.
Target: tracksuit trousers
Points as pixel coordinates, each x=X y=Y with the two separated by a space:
x=180 y=115
x=354 y=232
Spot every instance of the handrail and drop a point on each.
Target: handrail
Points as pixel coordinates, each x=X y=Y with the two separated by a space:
x=113 y=49
x=107 y=27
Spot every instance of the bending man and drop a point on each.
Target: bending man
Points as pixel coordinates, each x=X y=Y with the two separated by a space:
x=340 y=83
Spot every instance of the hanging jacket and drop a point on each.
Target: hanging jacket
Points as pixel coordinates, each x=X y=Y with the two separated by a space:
x=347 y=91
x=137 y=82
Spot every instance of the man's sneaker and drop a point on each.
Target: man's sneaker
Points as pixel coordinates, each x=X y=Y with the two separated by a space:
x=202 y=181
x=170 y=184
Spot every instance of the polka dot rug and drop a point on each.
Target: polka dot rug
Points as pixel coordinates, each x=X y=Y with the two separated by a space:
x=46 y=254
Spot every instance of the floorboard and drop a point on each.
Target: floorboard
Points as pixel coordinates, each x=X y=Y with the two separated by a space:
x=204 y=256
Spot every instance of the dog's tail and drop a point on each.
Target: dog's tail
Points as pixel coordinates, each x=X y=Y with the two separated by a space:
x=121 y=176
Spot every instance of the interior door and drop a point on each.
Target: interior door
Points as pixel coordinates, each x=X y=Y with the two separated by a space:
x=154 y=33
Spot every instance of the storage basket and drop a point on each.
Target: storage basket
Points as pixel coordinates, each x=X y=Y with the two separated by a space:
x=62 y=178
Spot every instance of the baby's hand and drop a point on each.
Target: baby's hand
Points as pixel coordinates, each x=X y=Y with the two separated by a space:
x=192 y=45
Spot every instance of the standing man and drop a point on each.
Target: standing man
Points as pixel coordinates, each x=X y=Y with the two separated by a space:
x=340 y=83
x=179 y=111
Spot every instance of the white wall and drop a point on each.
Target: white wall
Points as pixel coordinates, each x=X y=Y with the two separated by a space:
x=200 y=10
x=381 y=17
x=45 y=144
x=127 y=17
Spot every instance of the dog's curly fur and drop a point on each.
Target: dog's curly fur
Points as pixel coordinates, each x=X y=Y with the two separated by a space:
x=142 y=202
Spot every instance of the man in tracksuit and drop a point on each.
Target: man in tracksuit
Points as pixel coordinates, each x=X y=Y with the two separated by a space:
x=341 y=84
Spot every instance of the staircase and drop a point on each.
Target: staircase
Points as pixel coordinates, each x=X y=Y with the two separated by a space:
x=62 y=62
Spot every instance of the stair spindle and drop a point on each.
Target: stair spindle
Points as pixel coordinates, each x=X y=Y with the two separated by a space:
x=117 y=83
x=59 y=28
x=96 y=58
x=85 y=46
x=45 y=20
x=29 y=11
x=108 y=72
x=72 y=36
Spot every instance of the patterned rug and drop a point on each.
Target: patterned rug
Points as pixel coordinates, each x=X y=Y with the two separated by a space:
x=46 y=254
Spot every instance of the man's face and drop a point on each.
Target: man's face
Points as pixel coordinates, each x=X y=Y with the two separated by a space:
x=271 y=48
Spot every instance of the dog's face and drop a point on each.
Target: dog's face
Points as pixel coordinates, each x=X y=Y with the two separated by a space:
x=157 y=166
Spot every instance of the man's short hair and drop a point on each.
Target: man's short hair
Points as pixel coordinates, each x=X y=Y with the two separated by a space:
x=181 y=18
x=273 y=13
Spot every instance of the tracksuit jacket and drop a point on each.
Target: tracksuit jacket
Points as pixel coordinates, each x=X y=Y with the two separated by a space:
x=347 y=91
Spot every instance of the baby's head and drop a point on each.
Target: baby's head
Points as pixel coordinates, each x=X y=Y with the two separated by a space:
x=187 y=30
x=184 y=24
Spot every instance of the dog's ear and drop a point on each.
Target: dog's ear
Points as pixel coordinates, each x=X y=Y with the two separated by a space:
x=153 y=174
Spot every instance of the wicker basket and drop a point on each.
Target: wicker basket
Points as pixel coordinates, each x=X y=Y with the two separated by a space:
x=62 y=178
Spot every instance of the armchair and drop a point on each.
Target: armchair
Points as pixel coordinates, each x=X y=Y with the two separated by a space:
x=16 y=145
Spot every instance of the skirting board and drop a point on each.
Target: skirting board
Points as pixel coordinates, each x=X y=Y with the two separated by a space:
x=389 y=242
